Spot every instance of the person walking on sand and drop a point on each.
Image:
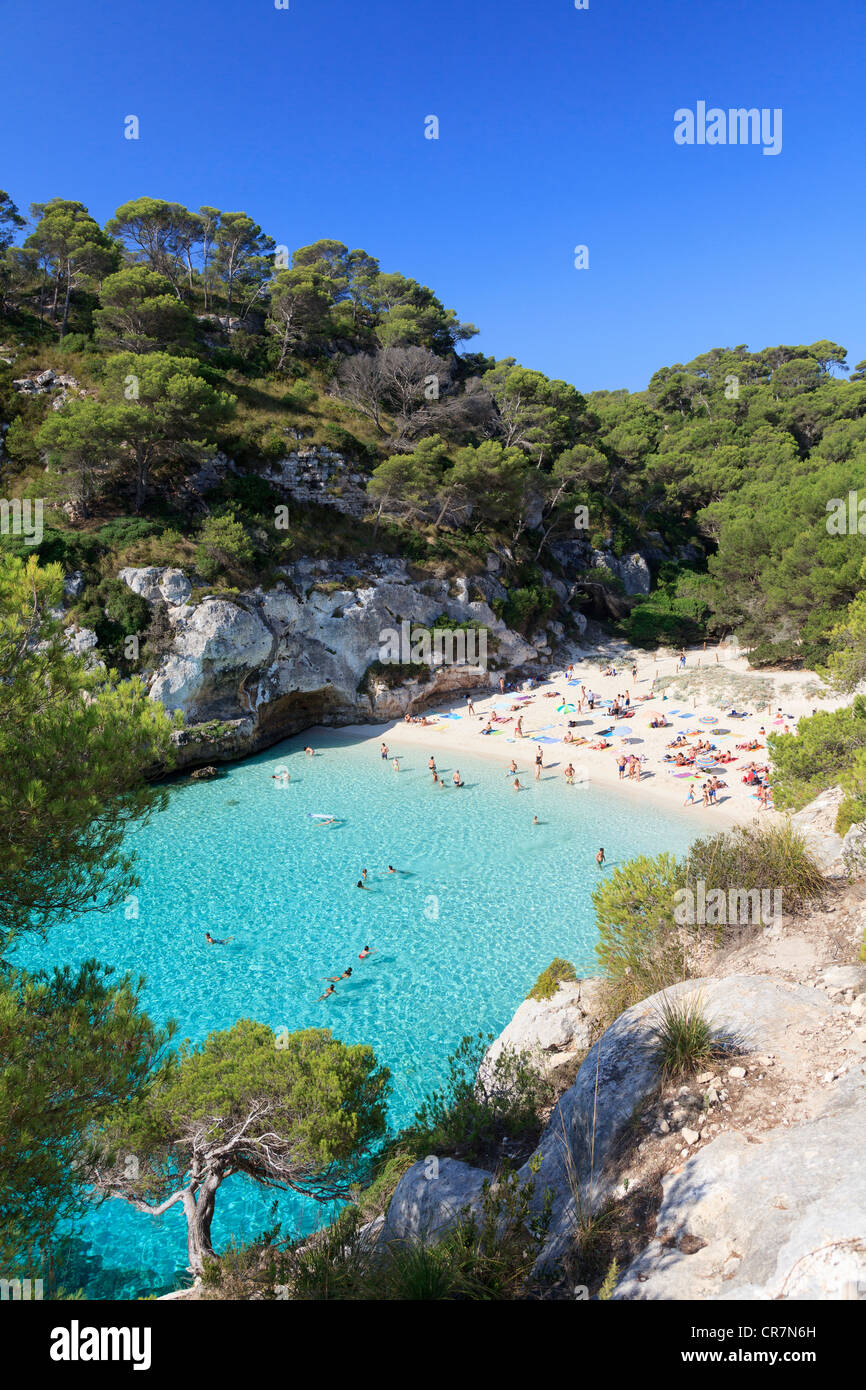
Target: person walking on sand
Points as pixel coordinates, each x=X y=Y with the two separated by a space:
x=690 y=799
x=518 y=728
x=569 y=776
x=621 y=762
x=469 y=705
x=502 y=685
x=599 y=858
x=539 y=761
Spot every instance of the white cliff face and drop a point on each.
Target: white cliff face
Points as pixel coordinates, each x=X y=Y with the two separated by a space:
x=552 y=1032
x=296 y=654
x=775 y=1214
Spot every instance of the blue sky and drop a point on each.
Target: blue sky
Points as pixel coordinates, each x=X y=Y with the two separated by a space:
x=556 y=129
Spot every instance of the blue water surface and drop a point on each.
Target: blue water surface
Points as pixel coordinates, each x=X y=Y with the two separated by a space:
x=482 y=900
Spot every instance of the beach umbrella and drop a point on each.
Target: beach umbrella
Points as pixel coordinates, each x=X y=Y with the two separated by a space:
x=565 y=708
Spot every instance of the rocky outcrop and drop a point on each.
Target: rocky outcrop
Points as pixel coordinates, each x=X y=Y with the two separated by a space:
x=430 y=1198
x=319 y=475
x=817 y=821
x=745 y=1217
x=783 y=1218
x=553 y=1033
x=49 y=381
x=632 y=571
x=269 y=663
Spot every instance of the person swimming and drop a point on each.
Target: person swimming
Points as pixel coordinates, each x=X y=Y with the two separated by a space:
x=213 y=940
x=310 y=752
x=360 y=884
x=337 y=978
x=391 y=869
x=367 y=951
x=599 y=858
x=332 y=989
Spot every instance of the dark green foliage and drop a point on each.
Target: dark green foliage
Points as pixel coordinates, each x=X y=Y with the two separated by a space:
x=816 y=757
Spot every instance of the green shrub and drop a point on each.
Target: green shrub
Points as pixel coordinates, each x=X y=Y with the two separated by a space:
x=765 y=856
x=818 y=754
x=785 y=654
x=684 y=1040
x=638 y=947
x=549 y=980
x=392 y=674
x=469 y=1118
x=223 y=547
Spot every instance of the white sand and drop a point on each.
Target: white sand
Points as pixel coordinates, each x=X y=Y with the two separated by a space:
x=714 y=681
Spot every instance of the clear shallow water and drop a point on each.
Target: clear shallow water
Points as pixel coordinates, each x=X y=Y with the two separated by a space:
x=482 y=901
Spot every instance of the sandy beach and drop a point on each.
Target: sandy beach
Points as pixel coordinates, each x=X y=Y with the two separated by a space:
x=694 y=700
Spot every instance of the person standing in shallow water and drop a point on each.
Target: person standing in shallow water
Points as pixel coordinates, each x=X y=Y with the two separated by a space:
x=599 y=858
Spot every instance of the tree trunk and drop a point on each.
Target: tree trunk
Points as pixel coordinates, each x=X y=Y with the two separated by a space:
x=199 y=1211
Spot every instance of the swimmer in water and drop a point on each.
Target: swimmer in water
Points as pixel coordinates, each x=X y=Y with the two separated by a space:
x=535 y=820
x=599 y=858
x=360 y=884
x=517 y=786
x=336 y=978
x=328 y=992
x=367 y=951
x=364 y=875
x=310 y=752
x=213 y=940
x=395 y=765
x=391 y=869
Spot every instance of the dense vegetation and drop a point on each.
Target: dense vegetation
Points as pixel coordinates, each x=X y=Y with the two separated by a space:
x=192 y=332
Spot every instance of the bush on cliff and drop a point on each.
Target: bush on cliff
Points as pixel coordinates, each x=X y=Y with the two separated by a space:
x=549 y=980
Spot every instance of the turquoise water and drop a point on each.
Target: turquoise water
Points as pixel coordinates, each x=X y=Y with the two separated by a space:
x=482 y=901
